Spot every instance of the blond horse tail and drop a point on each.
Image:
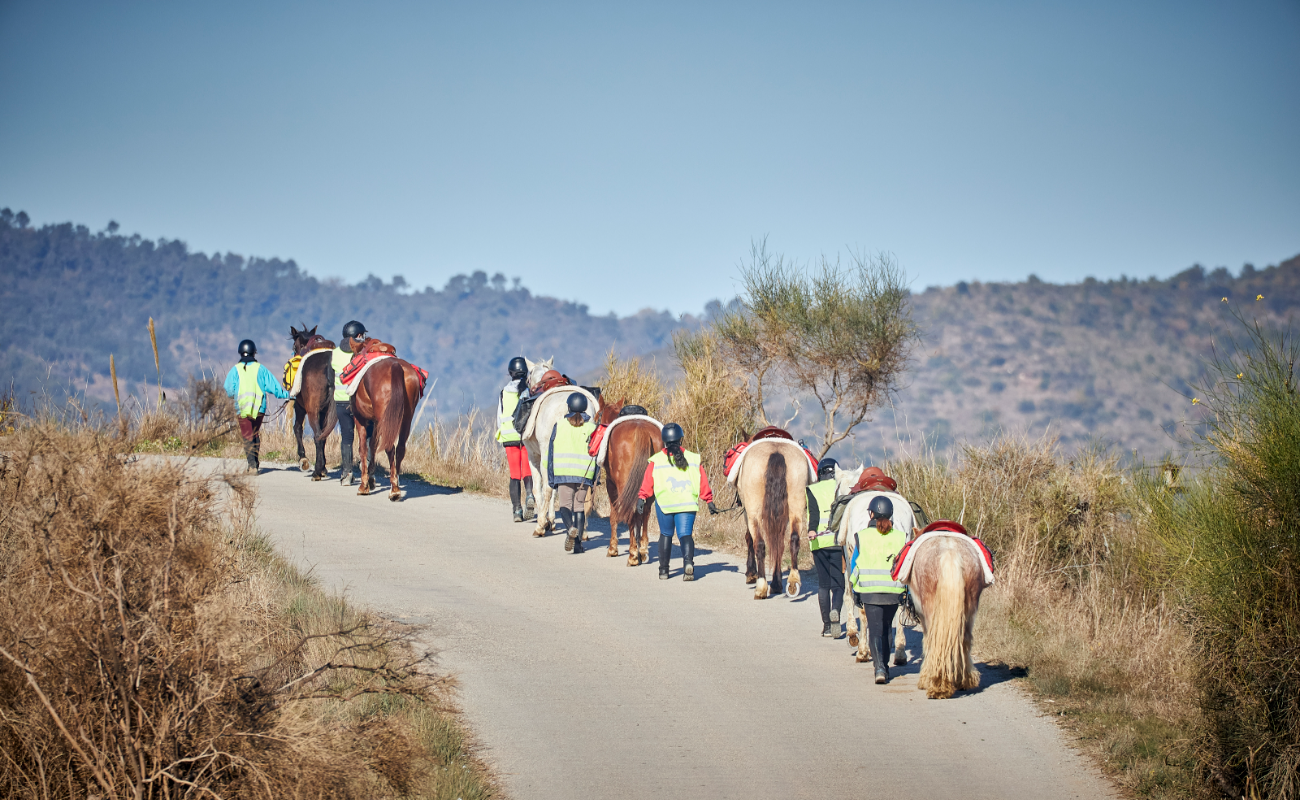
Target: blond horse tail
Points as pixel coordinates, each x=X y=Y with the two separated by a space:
x=947 y=666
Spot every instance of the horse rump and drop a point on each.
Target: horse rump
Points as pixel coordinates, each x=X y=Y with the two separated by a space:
x=388 y=426
x=625 y=506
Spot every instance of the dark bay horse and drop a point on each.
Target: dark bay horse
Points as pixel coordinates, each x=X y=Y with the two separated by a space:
x=630 y=446
x=315 y=401
x=383 y=405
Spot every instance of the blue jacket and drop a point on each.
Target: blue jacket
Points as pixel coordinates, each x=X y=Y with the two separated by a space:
x=267 y=382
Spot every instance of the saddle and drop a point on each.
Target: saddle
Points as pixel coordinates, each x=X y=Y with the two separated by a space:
x=374 y=346
x=318 y=342
x=873 y=479
x=771 y=432
x=631 y=411
x=550 y=379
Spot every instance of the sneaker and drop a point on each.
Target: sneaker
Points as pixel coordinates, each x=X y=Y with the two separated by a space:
x=835 y=616
x=689 y=574
x=830 y=629
x=568 y=541
x=882 y=675
x=519 y=514
x=663 y=576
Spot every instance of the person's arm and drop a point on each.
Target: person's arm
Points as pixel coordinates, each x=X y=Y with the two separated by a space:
x=706 y=492
x=269 y=384
x=232 y=382
x=647 y=484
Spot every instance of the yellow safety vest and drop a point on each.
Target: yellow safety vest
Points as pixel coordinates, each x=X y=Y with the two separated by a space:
x=875 y=559
x=676 y=490
x=248 y=397
x=824 y=493
x=338 y=360
x=569 y=456
x=506 y=433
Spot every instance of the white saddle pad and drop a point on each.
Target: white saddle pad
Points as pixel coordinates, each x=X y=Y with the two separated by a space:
x=593 y=405
x=906 y=571
x=604 y=443
x=356 y=379
x=302 y=367
x=740 y=459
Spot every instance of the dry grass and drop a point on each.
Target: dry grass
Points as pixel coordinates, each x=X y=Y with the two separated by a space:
x=151 y=646
x=628 y=380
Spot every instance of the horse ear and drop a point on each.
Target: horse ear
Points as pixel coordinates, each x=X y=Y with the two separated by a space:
x=312 y=332
x=548 y=363
x=293 y=332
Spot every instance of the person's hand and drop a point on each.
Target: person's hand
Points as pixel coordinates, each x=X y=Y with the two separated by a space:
x=712 y=508
x=640 y=505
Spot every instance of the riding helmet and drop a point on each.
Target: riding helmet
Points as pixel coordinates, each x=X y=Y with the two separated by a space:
x=826 y=468
x=672 y=434
x=518 y=368
x=247 y=349
x=353 y=329
x=577 y=403
x=881 y=508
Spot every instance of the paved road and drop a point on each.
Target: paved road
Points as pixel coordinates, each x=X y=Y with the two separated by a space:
x=583 y=678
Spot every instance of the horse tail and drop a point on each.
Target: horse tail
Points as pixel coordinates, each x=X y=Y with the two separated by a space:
x=776 y=504
x=627 y=493
x=947 y=667
x=330 y=414
x=388 y=427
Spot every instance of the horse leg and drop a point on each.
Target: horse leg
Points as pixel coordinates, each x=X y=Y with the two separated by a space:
x=545 y=516
x=319 y=472
x=778 y=546
x=792 y=586
x=900 y=643
x=864 y=647
x=394 y=471
x=362 y=451
x=612 y=550
x=643 y=550
x=299 y=417
x=751 y=571
x=760 y=560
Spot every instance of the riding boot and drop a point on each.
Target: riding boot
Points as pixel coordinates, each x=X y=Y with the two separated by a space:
x=345 y=468
x=530 y=505
x=879 y=656
x=580 y=521
x=514 y=500
x=688 y=558
x=566 y=514
x=665 y=555
x=250 y=456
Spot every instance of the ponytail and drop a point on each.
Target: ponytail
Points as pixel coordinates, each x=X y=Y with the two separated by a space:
x=884 y=525
x=676 y=454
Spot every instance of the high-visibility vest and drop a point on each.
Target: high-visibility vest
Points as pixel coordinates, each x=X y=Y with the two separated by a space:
x=248 y=397
x=569 y=456
x=506 y=433
x=338 y=360
x=676 y=490
x=873 y=559
x=824 y=493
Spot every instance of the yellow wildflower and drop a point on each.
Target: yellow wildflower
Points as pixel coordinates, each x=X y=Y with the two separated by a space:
x=1259 y=297
x=1225 y=299
x=1239 y=374
x=1195 y=400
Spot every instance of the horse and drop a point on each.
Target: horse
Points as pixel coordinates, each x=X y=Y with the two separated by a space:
x=315 y=400
x=771 y=486
x=627 y=452
x=947 y=579
x=383 y=405
x=904 y=518
x=542 y=419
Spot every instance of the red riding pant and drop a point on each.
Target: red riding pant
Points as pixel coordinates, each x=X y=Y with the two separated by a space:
x=517 y=458
x=250 y=427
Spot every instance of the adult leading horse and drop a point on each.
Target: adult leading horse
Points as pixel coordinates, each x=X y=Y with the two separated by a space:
x=383 y=404
x=771 y=484
x=314 y=401
x=629 y=447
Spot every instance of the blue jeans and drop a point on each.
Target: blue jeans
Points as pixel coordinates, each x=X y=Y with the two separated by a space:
x=682 y=523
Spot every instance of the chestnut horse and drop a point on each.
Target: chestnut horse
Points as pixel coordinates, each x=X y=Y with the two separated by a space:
x=315 y=401
x=383 y=405
x=946 y=580
x=771 y=485
x=627 y=452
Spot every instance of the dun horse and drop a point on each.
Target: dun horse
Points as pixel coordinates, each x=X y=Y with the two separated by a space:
x=314 y=402
x=771 y=486
x=383 y=405
x=630 y=445
x=946 y=580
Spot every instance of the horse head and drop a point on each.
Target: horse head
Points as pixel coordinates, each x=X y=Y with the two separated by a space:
x=537 y=369
x=609 y=412
x=302 y=338
x=845 y=479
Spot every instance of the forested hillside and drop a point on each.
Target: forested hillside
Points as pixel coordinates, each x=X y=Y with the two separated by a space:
x=1094 y=360
x=72 y=297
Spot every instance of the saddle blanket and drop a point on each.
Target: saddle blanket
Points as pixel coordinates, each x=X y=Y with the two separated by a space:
x=903 y=569
x=857 y=515
x=734 y=470
x=352 y=373
x=593 y=406
x=296 y=388
x=604 y=442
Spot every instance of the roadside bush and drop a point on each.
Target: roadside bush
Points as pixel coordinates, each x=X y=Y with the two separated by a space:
x=630 y=380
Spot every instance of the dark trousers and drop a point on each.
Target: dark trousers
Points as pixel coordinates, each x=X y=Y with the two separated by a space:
x=829 y=564
x=347 y=424
x=879 y=620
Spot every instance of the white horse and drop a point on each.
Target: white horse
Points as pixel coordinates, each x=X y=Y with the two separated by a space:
x=542 y=420
x=855 y=518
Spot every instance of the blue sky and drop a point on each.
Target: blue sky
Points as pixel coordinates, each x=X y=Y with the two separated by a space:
x=626 y=155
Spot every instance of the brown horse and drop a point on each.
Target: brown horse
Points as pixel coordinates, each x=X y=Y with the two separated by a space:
x=629 y=449
x=946 y=580
x=383 y=405
x=771 y=486
x=315 y=401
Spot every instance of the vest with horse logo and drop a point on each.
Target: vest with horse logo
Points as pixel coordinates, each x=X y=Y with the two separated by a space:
x=676 y=490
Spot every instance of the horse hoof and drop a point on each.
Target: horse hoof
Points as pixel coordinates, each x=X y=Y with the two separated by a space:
x=612 y=553
x=750 y=580
x=900 y=659
x=304 y=464
x=316 y=477
x=362 y=490
x=853 y=638
x=539 y=534
x=395 y=496
x=791 y=589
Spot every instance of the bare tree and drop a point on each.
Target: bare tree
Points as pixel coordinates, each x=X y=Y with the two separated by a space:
x=840 y=333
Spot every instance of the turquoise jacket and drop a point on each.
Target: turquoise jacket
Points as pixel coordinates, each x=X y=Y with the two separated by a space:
x=267 y=382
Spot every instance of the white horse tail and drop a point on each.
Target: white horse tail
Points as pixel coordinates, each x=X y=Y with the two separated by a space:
x=947 y=665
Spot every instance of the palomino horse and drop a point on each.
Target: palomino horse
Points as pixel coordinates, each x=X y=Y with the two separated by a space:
x=627 y=452
x=947 y=579
x=855 y=515
x=543 y=418
x=771 y=485
x=383 y=405
x=315 y=401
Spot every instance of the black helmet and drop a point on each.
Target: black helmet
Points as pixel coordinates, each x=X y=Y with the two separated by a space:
x=826 y=468
x=518 y=368
x=353 y=329
x=672 y=434
x=247 y=348
x=881 y=508
x=577 y=403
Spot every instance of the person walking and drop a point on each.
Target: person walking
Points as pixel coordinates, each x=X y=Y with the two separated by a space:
x=572 y=468
x=515 y=390
x=676 y=481
x=827 y=553
x=339 y=359
x=874 y=590
x=248 y=383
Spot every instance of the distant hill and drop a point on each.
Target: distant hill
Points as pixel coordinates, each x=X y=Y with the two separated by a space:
x=71 y=297
x=1093 y=360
